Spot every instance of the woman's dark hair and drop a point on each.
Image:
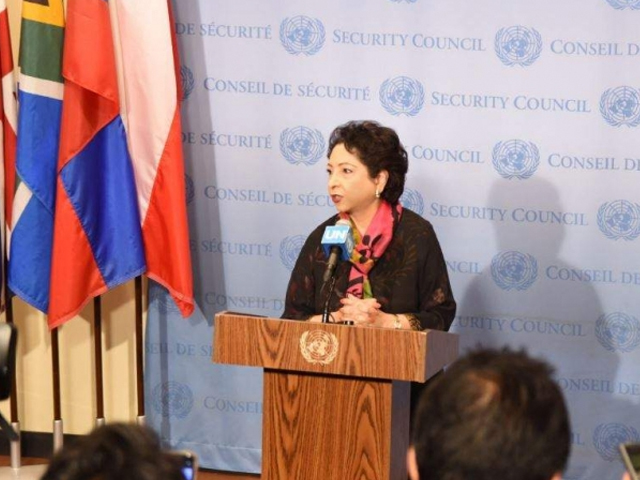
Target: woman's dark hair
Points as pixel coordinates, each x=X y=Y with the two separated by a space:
x=379 y=148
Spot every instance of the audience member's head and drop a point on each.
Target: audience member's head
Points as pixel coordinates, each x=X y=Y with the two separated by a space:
x=491 y=415
x=114 y=452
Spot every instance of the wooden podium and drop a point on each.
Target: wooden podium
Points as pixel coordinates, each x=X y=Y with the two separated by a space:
x=336 y=397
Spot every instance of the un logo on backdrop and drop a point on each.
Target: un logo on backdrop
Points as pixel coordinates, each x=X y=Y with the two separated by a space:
x=607 y=437
x=621 y=106
x=189 y=188
x=412 y=200
x=518 y=45
x=290 y=249
x=402 y=96
x=516 y=159
x=619 y=219
x=301 y=145
x=172 y=399
x=302 y=35
x=618 y=332
x=622 y=4
x=514 y=270
x=188 y=82
x=161 y=299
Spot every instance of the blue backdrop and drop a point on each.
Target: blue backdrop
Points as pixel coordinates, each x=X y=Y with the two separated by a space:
x=521 y=122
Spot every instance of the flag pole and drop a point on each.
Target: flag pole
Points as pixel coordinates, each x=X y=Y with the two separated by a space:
x=55 y=369
x=15 y=452
x=97 y=347
x=139 y=351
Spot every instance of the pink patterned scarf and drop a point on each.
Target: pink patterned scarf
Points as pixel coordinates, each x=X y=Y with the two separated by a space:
x=370 y=247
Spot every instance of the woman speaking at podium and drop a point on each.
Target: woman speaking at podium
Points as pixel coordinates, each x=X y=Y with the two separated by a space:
x=396 y=276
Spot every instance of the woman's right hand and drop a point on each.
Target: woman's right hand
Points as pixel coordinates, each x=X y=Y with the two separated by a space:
x=361 y=311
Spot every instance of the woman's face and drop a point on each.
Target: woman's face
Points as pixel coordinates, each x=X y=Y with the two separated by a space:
x=351 y=188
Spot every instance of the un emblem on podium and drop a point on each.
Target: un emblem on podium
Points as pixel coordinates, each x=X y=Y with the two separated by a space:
x=622 y=4
x=514 y=270
x=302 y=35
x=518 y=45
x=621 y=106
x=402 y=96
x=618 y=332
x=516 y=159
x=319 y=347
x=619 y=219
x=301 y=145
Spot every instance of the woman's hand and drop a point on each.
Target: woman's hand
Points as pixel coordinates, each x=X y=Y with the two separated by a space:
x=334 y=317
x=360 y=310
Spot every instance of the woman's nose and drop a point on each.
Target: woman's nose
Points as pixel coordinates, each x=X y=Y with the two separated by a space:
x=332 y=181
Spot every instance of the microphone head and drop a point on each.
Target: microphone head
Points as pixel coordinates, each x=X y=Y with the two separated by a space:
x=338 y=235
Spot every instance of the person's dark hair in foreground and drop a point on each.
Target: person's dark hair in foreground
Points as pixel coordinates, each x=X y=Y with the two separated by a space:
x=491 y=415
x=117 y=451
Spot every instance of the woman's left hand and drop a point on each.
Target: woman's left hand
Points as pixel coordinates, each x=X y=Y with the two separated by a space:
x=360 y=310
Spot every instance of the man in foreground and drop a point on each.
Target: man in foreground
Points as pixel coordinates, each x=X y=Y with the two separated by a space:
x=492 y=414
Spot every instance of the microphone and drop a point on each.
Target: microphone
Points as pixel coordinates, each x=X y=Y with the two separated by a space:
x=337 y=243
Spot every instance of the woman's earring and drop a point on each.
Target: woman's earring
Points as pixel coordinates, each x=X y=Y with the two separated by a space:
x=377 y=193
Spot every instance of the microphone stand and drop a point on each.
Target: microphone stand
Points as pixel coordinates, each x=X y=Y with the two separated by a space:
x=325 y=311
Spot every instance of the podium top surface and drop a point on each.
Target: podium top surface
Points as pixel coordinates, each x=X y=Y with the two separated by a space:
x=296 y=346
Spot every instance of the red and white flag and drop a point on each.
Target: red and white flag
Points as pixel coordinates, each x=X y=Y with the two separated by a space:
x=150 y=94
